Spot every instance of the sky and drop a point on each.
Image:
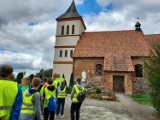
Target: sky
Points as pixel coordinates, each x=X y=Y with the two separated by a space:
x=28 y=27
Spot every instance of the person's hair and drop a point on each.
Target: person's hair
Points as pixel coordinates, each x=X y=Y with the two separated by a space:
x=45 y=79
x=55 y=75
x=63 y=83
x=58 y=75
x=50 y=81
x=78 y=80
x=5 y=71
x=27 y=79
x=36 y=82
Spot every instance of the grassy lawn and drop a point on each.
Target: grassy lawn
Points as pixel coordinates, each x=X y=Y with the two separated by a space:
x=142 y=99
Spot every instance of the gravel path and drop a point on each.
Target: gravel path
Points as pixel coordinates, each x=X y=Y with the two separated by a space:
x=124 y=109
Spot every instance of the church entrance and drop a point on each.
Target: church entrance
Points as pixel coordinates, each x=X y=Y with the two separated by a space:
x=118 y=83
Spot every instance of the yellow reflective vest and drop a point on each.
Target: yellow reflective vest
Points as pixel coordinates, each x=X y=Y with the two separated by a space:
x=8 y=93
x=27 y=106
x=48 y=95
x=62 y=93
x=77 y=92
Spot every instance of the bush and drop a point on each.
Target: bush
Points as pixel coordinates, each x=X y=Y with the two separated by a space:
x=69 y=89
x=98 y=91
x=96 y=96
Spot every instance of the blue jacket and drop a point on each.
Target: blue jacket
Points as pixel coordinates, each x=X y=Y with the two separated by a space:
x=17 y=105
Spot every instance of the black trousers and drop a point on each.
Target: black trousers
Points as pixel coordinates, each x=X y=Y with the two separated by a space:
x=47 y=114
x=75 y=108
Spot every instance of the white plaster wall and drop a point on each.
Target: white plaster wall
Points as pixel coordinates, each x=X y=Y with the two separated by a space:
x=63 y=58
x=67 y=41
x=78 y=27
x=63 y=69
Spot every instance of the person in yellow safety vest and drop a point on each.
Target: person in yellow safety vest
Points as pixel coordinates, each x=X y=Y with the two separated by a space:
x=61 y=99
x=10 y=95
x=31 y=107
x=57 y=80
x=25 y=84
x=75 y=106
x=49 y=91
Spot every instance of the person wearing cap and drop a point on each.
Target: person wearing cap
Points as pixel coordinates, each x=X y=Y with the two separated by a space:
x=10 y=95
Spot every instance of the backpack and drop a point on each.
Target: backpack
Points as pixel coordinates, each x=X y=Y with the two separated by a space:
x=81 y=96
x=52 y=105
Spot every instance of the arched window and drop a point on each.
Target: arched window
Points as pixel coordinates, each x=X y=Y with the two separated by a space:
x=72 y=29
x=62 y=31
x=99 y=69
x=139 y=70
x=67 y=29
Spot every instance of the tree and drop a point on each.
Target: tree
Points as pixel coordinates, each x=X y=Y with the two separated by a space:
x=71 y=82
x=152 y=68
x=47 y=73
x=63 y=76
x=19 y=77
x=31 y=76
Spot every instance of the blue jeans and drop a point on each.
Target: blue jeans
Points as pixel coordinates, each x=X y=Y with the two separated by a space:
x=60 y=104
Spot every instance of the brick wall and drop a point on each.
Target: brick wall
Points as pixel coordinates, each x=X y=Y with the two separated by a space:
x=87 y=64
x=108 y=85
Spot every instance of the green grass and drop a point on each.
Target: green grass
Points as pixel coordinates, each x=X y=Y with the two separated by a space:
x=142 y=99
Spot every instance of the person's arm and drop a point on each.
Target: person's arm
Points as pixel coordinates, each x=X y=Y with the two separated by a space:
x=72 y=93
x=17 y=105
x=37 y=106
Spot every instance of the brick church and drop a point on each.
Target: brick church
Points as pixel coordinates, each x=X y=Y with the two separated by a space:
x=115 y=56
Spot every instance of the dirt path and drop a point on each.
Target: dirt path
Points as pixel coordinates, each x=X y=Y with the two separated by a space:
x=125 y=109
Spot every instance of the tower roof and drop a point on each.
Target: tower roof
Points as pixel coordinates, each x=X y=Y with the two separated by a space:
x=71 y=12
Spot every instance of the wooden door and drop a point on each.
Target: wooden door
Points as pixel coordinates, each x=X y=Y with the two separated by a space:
x=118 y=83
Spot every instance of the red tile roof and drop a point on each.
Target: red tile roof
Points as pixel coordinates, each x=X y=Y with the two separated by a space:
x=117 y=48
x=153 y=39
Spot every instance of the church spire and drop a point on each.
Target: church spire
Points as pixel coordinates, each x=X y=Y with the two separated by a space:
x=71 y=12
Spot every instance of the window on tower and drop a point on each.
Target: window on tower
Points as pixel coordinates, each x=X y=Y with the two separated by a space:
x=62 y=32
x=60 y=53
x=67 y=29
x=72 y=29
x=71 y=52
x=66 y=52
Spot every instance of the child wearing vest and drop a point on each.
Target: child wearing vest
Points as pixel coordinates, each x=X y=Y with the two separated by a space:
x=61 y=99
x=25 y=84
x=31 y=107
x=49 y=91
x=75 y=106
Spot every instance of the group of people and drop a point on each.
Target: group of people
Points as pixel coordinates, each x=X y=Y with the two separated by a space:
x=29 y=100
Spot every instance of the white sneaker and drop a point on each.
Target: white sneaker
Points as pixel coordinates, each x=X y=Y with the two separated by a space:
x=62 y=116
x=56 y=116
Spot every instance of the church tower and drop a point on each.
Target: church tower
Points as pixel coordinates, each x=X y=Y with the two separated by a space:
x=70 y=26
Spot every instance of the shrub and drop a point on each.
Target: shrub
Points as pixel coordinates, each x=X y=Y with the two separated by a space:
x=69 y=89
x=96 y=96
x=98 y=91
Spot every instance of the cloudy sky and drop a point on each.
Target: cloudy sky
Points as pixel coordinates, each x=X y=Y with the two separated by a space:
x=27 y=27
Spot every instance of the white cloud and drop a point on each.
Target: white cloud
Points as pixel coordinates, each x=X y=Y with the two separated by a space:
x=123 y=15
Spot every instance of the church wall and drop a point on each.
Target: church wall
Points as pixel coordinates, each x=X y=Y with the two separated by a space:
x=77 y=23
x=140 y=83
x=87 y=64
x=63 y=58
x=108 y=81
x=67 y=41
x=65 y=69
